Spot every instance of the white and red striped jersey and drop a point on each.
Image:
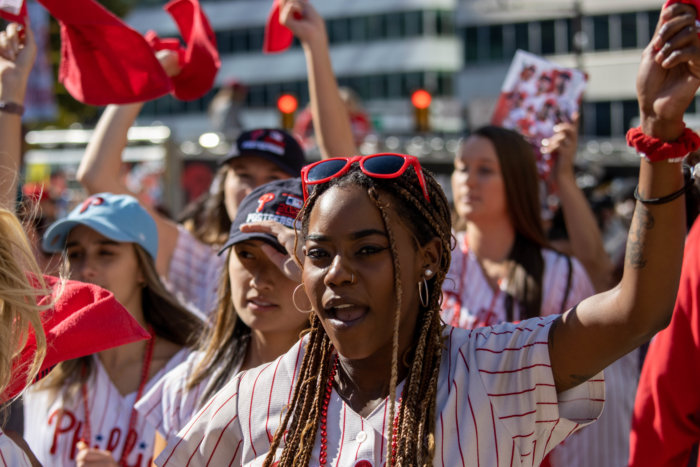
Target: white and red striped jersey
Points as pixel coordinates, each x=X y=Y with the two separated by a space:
x=53 y=422
x=168 y=405
x=12 y=455
x=469 y=301
x=194 y=274
x=496 y=405
x=604 y=444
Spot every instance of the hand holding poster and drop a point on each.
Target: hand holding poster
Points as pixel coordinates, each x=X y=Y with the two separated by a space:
x=537 y=95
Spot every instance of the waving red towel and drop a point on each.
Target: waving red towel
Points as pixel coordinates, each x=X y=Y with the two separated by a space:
x=15 y=17
x=85 y=319
x=278 y=38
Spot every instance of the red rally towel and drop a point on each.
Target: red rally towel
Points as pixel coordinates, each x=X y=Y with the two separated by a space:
x=200 y=59
x=19 y=17
x=85 y=319
x=694 y=3
x=104 y=61
x=278 y=38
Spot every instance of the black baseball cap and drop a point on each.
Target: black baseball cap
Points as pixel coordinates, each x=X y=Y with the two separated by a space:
x=272 y=144
x=279 y=201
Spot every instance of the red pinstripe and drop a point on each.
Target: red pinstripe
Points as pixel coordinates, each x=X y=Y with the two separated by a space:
x=362 y=428
x=250 y=410
x=342 y=437
x=464 y=359
x=221 y=435
x=512 y=454
x=235 y=453
x=194 y=451
x=581 y=399
x=523 y=391
x=269 y=400
x=517 y=415
x=495 y=437
x=449 y=360
x=442 y=441
x=296 y=366
x=484 y=349
x=476 y=428
x=524 y=436
x=546 y=445
x=502 y=372
x=190 y=427
x=3 y=459
x=534 y=450
x=381 y=447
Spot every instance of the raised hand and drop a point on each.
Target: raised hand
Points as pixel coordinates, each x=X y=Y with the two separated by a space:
x=17 y=53
x=302 y=19
x=669 y=73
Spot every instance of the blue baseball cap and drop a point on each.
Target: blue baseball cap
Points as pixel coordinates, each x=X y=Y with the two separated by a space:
x=118 y=217
x=279 y=201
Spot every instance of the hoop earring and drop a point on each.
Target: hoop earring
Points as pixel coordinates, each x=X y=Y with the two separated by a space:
x=423 y=298
x=294 y=300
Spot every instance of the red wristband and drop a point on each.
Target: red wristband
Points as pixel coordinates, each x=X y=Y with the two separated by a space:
x=654 y=150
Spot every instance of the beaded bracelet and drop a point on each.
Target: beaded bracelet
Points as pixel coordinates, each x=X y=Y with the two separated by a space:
x=654 y=149
x=664 y=199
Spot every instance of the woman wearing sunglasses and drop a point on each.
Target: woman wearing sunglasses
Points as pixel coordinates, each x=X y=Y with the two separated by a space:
x=381 y=380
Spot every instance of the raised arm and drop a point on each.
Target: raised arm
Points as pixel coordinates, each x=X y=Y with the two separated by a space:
x=330 y=117
x=16 y=60
x=584 y=234
x=606 y=326
x=103 y=159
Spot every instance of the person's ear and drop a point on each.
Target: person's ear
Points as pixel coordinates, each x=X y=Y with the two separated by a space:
x=430 y=255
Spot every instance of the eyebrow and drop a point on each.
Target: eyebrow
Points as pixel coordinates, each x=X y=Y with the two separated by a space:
x=101 y=242
x=354 y=235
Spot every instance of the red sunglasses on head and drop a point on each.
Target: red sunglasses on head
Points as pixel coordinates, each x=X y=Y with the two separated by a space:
x=384 y=165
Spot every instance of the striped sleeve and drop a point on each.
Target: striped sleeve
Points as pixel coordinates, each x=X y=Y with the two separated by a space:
x=512 y=362
x=11 y=455
x=212 y=437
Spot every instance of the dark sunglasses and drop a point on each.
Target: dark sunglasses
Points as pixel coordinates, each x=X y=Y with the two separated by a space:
x=384 y=165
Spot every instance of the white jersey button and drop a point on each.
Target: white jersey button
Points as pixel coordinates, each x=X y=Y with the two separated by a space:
x=361 y=436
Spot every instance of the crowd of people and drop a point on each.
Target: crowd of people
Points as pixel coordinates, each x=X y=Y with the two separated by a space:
x=345 y=311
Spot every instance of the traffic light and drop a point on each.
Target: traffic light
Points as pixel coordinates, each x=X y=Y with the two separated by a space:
x=421 y=110
x=287 y=105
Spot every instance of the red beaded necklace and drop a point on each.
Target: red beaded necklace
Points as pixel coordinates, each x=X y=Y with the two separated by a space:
x=324 y=415
x=145 y=368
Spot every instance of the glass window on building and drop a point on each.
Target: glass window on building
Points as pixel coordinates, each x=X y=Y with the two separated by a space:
x=445 y=23
x=358 y=29
x=376 y=27
x=630 y=111
x=628 y=30
x=601 y=33
x=413 y=22
x=653 y=18
x=496 y=50
x=471 y=44
x=522 y=36
x=603 y=120
x=548 y=41
x=339 y=30
x=255 y=39
x=394 y=26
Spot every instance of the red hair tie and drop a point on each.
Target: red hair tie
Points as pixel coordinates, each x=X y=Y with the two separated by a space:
x=655 y=150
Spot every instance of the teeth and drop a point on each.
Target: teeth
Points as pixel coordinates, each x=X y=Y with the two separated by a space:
x=340 y=307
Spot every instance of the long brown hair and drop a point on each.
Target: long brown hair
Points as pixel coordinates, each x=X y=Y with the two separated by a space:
x=21 y=285
x=521 y=182
x=416 y=417
x=224 y=345
x=170 y=320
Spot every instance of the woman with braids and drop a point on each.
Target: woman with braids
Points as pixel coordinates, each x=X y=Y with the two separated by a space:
x=379 y=379
x=255 y=321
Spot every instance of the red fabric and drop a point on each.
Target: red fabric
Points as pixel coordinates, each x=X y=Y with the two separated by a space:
x=655 y=150
x=278 y=38
x=20 y=18
x=200 y=59
x=104 y=61
x=666 y=419
x=695 y=3
x=84 y=320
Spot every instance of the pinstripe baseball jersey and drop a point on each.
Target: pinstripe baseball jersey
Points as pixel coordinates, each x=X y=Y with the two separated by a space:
x=11 y=455
x=53 y=427
x=194 y=273
x=168 y=405
x=496 y=406
x=604 y=444
x=469 y=301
